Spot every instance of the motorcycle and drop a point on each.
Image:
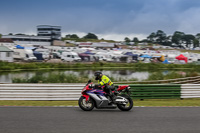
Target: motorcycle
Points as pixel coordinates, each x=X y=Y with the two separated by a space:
x=93 y=96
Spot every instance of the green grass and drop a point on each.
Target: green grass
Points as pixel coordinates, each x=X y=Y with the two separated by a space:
x=6 y=66
x=167 y=102
x=146 y=102
x=171 y=75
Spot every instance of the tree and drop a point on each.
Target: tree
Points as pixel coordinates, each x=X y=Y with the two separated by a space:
x=67 y=36
x=196 y=43
x=197 y=40
x=168 y=41
x=161 y=37
x=126 y=39
x=90 y=36
x=197 y=36
x=0 y=35
x=151 y=38
x=188 y=39
x=135 y=40
x=74 y=36
x=177 y=38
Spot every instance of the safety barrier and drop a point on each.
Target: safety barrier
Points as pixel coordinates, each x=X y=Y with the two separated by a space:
x=73 y=91
x=40 y=91
x=190 y=91
x=155 y=91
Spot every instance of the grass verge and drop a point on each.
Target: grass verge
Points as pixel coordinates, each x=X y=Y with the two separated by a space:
x=7 y=66
x=146 y=102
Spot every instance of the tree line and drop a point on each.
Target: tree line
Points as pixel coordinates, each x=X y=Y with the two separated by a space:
x=178 y=39
x=88 y=36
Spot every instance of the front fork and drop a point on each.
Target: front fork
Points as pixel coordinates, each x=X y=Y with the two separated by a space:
x=86 y=97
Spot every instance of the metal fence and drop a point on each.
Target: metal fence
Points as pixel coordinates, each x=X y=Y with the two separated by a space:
x=155 y=91
x=73 y=91
x=190 y=91
x=40 y=91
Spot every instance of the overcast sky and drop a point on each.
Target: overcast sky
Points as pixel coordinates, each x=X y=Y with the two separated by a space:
x=109 y=19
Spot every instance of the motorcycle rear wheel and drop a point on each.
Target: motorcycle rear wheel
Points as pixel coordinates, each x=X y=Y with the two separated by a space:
x=86 y=105
x=128 y=106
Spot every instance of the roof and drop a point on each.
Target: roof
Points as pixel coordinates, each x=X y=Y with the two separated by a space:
x=104 y=45
x=6 y=40
x=25 y=37
x=5 y=49
x=48 y=26
x=85 y=44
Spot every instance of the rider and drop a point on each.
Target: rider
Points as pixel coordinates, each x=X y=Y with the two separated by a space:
x=104 y=80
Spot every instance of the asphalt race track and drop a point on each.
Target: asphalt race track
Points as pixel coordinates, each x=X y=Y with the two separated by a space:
x=74 y=120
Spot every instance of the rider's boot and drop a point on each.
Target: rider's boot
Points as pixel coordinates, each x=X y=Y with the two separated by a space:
x=112 y=97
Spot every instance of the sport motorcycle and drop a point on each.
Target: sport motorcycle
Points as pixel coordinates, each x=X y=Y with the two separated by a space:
x=95 y=96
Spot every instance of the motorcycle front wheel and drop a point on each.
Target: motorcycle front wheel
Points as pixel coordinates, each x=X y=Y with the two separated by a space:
x=128 y=106
x=86 y=105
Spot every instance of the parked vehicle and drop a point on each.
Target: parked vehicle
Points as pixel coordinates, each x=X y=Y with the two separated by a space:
x=23 y=54
x=95 y=97
x=171 y=58
x=38 y=55
x=45 y=52
x=100 y=57
x=70 y=56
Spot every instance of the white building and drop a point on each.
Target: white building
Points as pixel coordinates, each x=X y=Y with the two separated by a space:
x=27 y=40
x=103 y=45
x=6 y=54
x=47 y=30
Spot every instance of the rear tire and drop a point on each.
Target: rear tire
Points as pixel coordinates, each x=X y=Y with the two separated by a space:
x=128 y=106
x=86 y=105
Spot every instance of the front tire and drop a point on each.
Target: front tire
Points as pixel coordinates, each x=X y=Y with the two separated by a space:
x=128 y=106
x=86 y=105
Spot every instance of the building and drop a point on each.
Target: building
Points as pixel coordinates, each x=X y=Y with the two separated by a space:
x=47 y=30
x=85 y=44
x=46 y=35
x=6 y=42
x=103 y=45
x=6 y=54
x=59 y=43
x=27 y=40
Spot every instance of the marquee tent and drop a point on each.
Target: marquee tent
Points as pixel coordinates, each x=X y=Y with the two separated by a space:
x=89 y=52
x=182 y=57
x=134 y=56
x=166 y=61
x=84 y=57
x=19 y=47
x=146 y=56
